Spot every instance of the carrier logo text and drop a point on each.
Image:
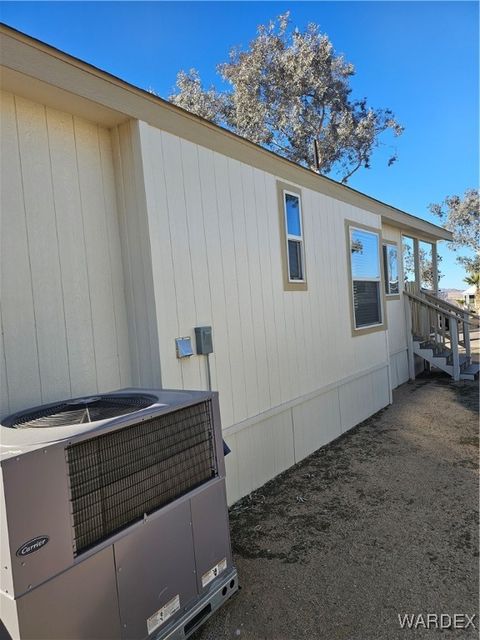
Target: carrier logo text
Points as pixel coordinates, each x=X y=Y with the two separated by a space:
x=32 y=545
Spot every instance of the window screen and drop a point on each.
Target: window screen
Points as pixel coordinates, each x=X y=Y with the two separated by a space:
x=366 y=301
x=365 y=273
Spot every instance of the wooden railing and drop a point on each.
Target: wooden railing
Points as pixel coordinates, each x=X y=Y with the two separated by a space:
x=467 y=320
x=471 y=316
x=445 y=330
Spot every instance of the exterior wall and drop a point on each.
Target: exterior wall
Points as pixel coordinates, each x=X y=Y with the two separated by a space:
x=137 y=259
x=64 y=329
x=280 y=356
x=116 y=242
x=397 y=336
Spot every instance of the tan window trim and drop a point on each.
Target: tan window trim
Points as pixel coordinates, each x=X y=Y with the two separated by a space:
x=290 y=285
x=383 y=325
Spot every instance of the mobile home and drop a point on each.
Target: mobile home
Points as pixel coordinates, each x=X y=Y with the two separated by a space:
x=128 y=222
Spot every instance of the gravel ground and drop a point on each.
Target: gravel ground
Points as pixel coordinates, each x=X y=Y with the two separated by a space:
x=381 y=522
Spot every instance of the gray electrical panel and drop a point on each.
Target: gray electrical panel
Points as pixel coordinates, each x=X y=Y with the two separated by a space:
x=203 y=337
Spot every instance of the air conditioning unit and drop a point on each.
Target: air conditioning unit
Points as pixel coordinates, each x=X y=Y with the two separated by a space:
x=114 y=519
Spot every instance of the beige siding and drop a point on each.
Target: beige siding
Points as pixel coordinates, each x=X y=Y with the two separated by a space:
x=135 y=235
x=397 y=337
x=62 y=302
x=216 y=251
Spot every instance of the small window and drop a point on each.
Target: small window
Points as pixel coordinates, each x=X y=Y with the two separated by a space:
x=390 y=268
x=366 y=278
x=294 y=234
x=425 y=258
x=408 y=253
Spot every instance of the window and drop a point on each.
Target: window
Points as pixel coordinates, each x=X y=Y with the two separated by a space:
x=390 y=268
x=366 y=277
x=293 y=225
x=408 y=253
x=291 y=233
x=425 y=258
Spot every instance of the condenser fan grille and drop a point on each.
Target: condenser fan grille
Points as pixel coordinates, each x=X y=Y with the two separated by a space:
x=83 y=410
x=117 y=478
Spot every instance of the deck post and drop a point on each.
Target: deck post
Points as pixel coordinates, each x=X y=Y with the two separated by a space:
x=408 y=324
x=466 y=335
x=454 y=345
x=435 y=268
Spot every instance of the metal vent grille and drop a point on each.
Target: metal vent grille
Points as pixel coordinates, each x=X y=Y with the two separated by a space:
x=80 y=411
x=117 y=478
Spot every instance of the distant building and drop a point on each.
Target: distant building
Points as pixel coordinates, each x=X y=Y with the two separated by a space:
x=469 y=298
x=454 y=296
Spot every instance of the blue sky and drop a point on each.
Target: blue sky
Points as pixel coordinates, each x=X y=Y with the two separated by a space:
x=418 y=58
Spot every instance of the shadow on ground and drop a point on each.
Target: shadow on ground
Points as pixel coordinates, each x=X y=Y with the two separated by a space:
x=381 y=522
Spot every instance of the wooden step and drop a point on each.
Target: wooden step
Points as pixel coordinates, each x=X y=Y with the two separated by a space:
x=462 y=358
x=471 y=372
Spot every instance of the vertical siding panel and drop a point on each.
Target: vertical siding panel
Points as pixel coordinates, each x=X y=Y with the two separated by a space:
x=293 y=345
x=198 y=251
x=255 y=276
x=133 y=224
x=121 y=190
x=18 y=317
x=337 y=263
x=43 y=249
x=101 y=295
x=162 y=257
x=270 y=328
x=181 y=252
x=244 y=289
x=342 y=310
x=115 y=257
x=283 y=344
x=230 y=276
x=309 y=221
x=152 y=375
x=162 y=254
x=316 y=286
x=221 y=369
x=71 y=244
x=324 y=286
x=4 y=399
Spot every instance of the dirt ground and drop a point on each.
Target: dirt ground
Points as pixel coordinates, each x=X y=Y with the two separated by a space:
x=381 y=522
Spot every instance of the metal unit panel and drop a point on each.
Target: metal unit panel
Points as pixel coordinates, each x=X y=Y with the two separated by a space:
x=154 y=564
x=203 y=608
x=211 y=534
x=37 y=504
x=79 y=603
x=6 y=577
